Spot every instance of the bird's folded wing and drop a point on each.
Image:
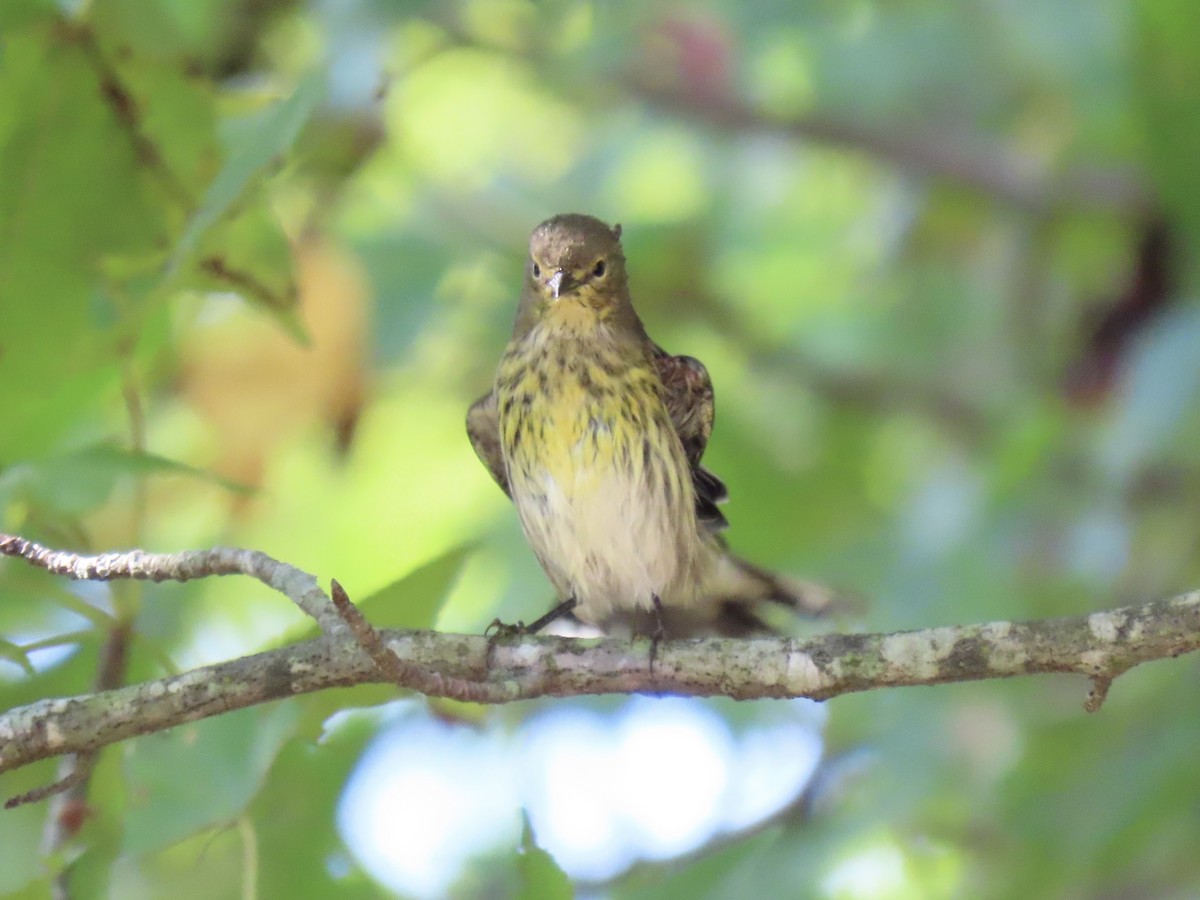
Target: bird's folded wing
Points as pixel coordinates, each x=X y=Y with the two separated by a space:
x=688 y=392
x=483 y=428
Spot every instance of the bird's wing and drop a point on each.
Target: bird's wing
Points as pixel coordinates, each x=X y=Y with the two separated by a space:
x=688 y=392
x=483 y=428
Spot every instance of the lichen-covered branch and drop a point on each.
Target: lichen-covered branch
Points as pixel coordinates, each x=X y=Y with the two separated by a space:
x=467 y=667
x=300 y=587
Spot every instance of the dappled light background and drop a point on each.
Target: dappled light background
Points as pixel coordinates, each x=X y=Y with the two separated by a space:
x=256 y=259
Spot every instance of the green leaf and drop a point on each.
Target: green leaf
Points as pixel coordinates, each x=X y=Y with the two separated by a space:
x=202 y=774
x=251 y=144
x=250 y=255
x=15 y=13
x=133 y=462
x=414 y=600
x=139 y=28
x=78 y=482
x=40 y=605
x=14 y=653
x=175 y=110
x=72 y=194
x=409 y=269
x=21 y=829
x=540 y=877
x=1168 y=76
x=304 y=787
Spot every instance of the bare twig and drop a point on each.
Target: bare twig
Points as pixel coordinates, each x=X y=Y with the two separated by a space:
x=41 y=792
x=389 y=664
x=300 y=587
x=1098 y=693
x=368 y=638
x=69 y=791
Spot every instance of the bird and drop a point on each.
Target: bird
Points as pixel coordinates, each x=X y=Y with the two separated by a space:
x=596 y=433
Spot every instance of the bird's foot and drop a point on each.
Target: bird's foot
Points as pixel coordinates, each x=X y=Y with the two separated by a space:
x=503 y=630
x=500 y=629
x=659 y=631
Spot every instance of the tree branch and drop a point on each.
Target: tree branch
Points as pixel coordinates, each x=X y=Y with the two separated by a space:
x=467 y=667
x=973 y=161
x=300 y=587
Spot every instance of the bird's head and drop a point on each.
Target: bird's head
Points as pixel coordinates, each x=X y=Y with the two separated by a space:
x=575 y=271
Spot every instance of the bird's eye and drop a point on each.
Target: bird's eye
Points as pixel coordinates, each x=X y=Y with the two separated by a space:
x=598 y=269
x=537 y=271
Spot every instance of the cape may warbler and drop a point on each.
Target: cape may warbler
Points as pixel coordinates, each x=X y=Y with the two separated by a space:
x=596 y=433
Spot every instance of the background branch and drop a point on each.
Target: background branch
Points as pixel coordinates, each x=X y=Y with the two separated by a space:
x=468 y=667
x=974 y=161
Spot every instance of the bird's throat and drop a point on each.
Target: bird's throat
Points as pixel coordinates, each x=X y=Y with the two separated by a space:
x=572 y=316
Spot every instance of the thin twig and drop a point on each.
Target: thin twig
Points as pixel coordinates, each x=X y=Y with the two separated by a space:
x=368 y=638
x=390 y=664
x=300 y=587
x=1098 y=693
x=46 y=790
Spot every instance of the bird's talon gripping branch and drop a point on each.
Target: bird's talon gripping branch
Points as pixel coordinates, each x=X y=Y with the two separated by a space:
x=498 y=629
x=504 y=630
x=659 y=631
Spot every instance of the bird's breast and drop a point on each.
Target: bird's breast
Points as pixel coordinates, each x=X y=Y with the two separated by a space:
x=583 y=413
x=574 y=408
x=597 y=472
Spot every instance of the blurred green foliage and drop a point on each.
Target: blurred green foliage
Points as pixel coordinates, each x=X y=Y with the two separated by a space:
x=256 y=257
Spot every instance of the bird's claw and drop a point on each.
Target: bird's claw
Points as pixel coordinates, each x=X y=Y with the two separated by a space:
x=660 y=631
x=498 y=629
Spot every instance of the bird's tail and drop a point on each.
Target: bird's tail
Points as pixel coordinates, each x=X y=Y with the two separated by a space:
x=741 y=589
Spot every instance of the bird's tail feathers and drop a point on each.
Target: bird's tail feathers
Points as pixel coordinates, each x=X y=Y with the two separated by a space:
x=740 y=582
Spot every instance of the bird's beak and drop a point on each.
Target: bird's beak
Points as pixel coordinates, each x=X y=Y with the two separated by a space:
x=555 y=282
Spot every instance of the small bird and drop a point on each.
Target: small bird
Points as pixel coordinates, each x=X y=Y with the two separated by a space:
x=596 y=433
